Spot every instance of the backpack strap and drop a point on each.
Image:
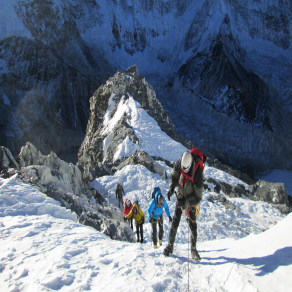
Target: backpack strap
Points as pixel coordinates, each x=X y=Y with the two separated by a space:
x=184 y=176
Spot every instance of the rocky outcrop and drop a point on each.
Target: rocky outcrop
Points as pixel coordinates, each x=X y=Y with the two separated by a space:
x=7 y=160
x=63 y=182
x=141 y=157
x=50 y=170
x=272 y=193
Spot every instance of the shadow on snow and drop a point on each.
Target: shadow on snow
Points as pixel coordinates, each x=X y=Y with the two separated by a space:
x=266 y=264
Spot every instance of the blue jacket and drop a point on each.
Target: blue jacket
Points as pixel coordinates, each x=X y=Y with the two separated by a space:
x=158 y=210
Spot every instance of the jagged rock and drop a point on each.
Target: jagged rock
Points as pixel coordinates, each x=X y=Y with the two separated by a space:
x=273 y=193
x=49 y=170
x=229 y=190
x=223 y=201
x=112 y=228
x=141 y=157
x=108 y=218
x=7 y=160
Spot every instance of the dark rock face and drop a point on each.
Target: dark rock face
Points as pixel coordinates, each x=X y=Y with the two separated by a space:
x=48 y=80
x=47 y=98
x=218 y=85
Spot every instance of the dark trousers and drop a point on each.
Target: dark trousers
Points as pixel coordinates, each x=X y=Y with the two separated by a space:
x=139 y=229
x=191 y=222
x=154 y=230
x=120 y=202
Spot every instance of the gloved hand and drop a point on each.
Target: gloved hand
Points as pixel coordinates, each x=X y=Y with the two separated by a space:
x=142 y=220
x=125 y=219
x=151 y=220
x=170 y=219
x=169 y=194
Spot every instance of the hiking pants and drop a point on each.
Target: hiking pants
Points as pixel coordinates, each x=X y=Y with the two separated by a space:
x=139 y=227
x=191 y=222
x=120 y=202
x=154 y=230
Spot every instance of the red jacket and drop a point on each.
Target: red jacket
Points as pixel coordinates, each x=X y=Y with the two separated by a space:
x=126 y=209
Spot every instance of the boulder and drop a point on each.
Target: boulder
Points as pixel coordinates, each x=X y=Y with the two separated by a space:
x=141 y=157
x=273 y=193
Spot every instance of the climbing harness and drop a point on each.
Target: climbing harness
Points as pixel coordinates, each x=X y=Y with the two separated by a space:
x=189 y=209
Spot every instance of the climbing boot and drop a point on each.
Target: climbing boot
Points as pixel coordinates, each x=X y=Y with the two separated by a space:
x=155 y=246
x=168 y=250
x=195 y=255
x=160 y=242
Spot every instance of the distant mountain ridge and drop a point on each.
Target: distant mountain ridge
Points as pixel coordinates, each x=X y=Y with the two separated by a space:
x=219 y=69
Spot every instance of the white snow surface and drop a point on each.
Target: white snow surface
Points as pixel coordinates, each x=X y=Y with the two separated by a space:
x=40 y=251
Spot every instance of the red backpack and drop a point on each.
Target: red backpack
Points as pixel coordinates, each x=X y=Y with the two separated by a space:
x=184 y=176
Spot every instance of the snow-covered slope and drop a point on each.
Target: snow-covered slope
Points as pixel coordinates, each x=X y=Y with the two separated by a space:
x=41 y=252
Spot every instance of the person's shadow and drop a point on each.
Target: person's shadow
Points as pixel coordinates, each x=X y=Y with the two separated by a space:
x=266 y=264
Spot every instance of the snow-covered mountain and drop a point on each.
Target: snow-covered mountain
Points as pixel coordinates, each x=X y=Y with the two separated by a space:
x=221 y=70
x=243 y=238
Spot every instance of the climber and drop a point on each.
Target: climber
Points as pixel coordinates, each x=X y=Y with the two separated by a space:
x=128 y=207
x=139 y=217
x=119 y=195
x=154 y=213
x=188 y=174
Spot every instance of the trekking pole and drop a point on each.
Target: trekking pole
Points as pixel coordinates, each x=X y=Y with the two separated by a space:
x=188 y=260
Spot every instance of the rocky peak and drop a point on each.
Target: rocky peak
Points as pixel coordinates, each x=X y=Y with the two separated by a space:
x=109 y=123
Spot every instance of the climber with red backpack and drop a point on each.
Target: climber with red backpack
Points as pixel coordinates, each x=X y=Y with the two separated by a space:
x=137 y=213
x=187 y=176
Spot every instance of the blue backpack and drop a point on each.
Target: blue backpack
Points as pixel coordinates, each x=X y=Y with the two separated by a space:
x=154 y=191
